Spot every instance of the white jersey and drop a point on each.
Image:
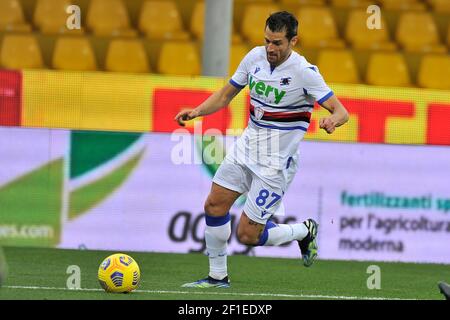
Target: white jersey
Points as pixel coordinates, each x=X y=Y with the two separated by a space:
x=281 y=102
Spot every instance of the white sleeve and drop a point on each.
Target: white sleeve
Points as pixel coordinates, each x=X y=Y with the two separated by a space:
x=240 y=77
x=315 y=86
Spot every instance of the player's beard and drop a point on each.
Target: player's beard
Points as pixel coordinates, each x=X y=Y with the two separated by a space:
x=277 y=59
x=273 y=58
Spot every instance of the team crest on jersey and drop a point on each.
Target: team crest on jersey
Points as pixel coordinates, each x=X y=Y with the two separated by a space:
x=259 y=112
x=285 y=81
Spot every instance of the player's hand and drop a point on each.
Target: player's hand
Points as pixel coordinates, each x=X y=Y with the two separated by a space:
x=327 y=124
x=185 y=115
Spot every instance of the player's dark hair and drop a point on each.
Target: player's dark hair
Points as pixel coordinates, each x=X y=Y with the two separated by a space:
x=283 y=21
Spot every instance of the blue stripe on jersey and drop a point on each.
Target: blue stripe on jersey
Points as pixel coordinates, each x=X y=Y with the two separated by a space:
x=285 y=107
x=288 y=164
x=325 y=98
x=277 y=127
x=236 y=85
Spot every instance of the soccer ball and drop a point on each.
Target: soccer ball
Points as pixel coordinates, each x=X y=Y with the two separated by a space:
x=119 y=273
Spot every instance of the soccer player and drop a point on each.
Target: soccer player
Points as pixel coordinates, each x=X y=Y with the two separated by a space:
x=263 y=161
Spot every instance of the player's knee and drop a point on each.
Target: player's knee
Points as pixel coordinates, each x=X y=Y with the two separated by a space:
x=213 y=208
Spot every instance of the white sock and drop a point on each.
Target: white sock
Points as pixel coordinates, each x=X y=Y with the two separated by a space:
x=283 y=233
x=216 y=237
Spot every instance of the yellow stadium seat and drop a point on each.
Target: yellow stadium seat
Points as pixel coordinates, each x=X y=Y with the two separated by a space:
x=246 y=2
x=387 y=69
x=338 y=66
x=417 y=32
x=254 y=20
x=409 y=5
x=74 y=53
x=448 y=36
x=434 y=72
x=251 y=1
x=11 y=16
x=172 y=62
x=20 y=52
x=126 y=55
x=109 y=18
x=351 y=3
x=237 y=53
x=304 y=2
x=440 y=6
x=198 y=22
x=162 y=20
x=317 y=28
x=361 y=37
x=50 y=16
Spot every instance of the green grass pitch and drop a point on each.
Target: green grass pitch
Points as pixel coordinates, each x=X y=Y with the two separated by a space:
x=39 y=273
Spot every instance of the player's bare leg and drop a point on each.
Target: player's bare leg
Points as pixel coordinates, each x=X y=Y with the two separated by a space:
x=249 y=231
x=220 y=200
x=271 y=234
x=217 y=233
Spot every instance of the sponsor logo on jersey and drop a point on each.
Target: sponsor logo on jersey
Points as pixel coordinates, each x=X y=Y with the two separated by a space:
x=259 y=112
x=266 y=90
x=285 y=81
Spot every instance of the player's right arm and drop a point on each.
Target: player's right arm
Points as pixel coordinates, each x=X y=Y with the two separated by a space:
x=221 y=98
x=215 y=102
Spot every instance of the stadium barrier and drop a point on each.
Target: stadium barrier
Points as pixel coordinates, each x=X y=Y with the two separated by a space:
x=148 y=103
x=85 y=151
x=145 y=192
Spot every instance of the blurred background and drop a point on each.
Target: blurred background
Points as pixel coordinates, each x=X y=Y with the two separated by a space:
x=410 y=50
x=88 y=158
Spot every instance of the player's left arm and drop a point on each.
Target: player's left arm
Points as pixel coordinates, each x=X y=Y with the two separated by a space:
x=339 y=115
